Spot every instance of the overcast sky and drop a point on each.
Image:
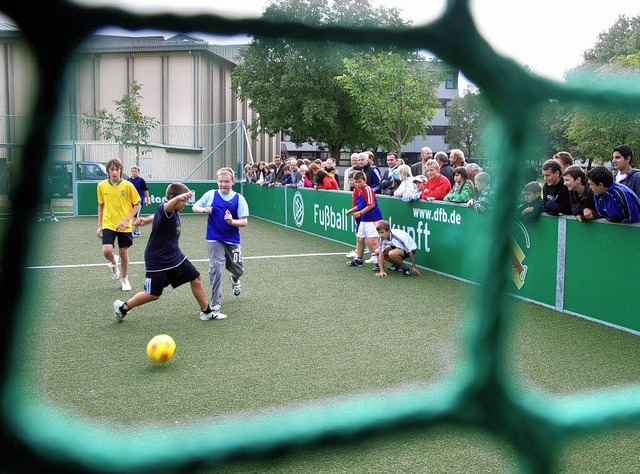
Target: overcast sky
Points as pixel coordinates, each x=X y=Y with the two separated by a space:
x=549 y=36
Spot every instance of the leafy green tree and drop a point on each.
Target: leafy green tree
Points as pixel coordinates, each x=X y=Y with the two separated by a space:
x=592 y=133
x=468 y=117
x=395 y=94
x=553 y=124
x=132 y=129
x=291 y=83
x=595 y=132
x=622 y=39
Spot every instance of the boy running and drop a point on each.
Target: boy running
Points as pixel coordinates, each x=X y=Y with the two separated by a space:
x=164 y=261
x=228 y=211
x=118 y=204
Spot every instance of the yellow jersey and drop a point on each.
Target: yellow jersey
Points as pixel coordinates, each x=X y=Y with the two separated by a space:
x=118 y=200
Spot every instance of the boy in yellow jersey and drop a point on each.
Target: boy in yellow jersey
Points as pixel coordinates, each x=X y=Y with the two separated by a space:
x=118 y=204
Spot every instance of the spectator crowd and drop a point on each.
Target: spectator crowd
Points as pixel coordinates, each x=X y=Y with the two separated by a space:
x=566 y=190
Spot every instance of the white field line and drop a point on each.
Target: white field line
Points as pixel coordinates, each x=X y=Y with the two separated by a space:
x=40 y=267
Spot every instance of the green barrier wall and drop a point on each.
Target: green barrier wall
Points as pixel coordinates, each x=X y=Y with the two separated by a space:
x=569 y=265
x=602 y=262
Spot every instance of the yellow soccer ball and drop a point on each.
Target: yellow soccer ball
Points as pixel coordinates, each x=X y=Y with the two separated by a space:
x=161 y=348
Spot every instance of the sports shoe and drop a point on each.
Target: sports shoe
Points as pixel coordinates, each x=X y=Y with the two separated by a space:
x=117 y=312
x=236 y=286
x=405 y=271
x=356 y=262
x=352 y=254
x=212 y=315
x=126 y=286
x=40 y=219
x=54 y=219
x=376 y=267
x=115 y=269
x=393 y=268
x=372 y=259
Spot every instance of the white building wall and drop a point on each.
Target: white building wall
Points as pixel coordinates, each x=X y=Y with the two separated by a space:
x=147 y=71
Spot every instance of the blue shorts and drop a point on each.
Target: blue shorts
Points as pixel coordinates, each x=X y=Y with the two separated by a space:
x=125 y=240
x=156 y=282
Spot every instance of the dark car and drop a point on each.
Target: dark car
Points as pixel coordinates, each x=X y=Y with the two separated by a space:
x=61 y=175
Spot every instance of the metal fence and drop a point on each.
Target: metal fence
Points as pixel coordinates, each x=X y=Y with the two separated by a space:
x=172 y=152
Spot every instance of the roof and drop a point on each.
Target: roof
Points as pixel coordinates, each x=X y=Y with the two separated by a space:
x=101 y=44
x=104 y=44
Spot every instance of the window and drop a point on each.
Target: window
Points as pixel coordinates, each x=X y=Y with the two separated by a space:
x=452 y=80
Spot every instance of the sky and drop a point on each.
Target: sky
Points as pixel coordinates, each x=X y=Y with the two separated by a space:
x=549 y=36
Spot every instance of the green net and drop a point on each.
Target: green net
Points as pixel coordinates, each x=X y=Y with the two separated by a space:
x=478 y=393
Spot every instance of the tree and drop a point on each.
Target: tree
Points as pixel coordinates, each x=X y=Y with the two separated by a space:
x=132 y=129
x=622 y=39
x=615 y=58
x=553 y=124
x=467 y=119
x=395 y=94
x=596 y=132
x=291 y=83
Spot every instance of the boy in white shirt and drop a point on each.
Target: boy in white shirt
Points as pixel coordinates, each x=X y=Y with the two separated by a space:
x=395 y=246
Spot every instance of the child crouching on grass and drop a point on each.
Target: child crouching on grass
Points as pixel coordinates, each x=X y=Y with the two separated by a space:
x=395 y=246
x=164 y=261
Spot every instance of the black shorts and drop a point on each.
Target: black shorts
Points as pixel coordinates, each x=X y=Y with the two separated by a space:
x=389 y=248
x=109 y=236
x=155 y=282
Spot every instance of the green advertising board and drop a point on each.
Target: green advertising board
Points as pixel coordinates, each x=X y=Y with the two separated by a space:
x=265 y=202
x=534 y=260
x=445 y=233
x=602 y=259
x=555 y=261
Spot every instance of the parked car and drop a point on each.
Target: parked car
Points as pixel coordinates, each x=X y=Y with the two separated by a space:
x=61 y=175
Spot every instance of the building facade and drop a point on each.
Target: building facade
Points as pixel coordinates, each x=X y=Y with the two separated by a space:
x=185 y=85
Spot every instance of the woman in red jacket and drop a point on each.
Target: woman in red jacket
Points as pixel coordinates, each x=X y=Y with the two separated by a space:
x=437 y=186
x=322 y=180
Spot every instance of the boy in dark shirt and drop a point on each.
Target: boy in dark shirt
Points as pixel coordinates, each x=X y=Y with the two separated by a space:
x=580 y=193
x=165 y=263
x=555 y=195
x=531 y=208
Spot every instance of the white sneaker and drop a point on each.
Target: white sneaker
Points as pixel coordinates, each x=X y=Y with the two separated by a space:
x=126 y=286
x=373 y=259
x=54 y=219
x=115 y=269
x=40 y=219
x=236 y=286
x=117 y=312
x=352 y=254
x=212 y=315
